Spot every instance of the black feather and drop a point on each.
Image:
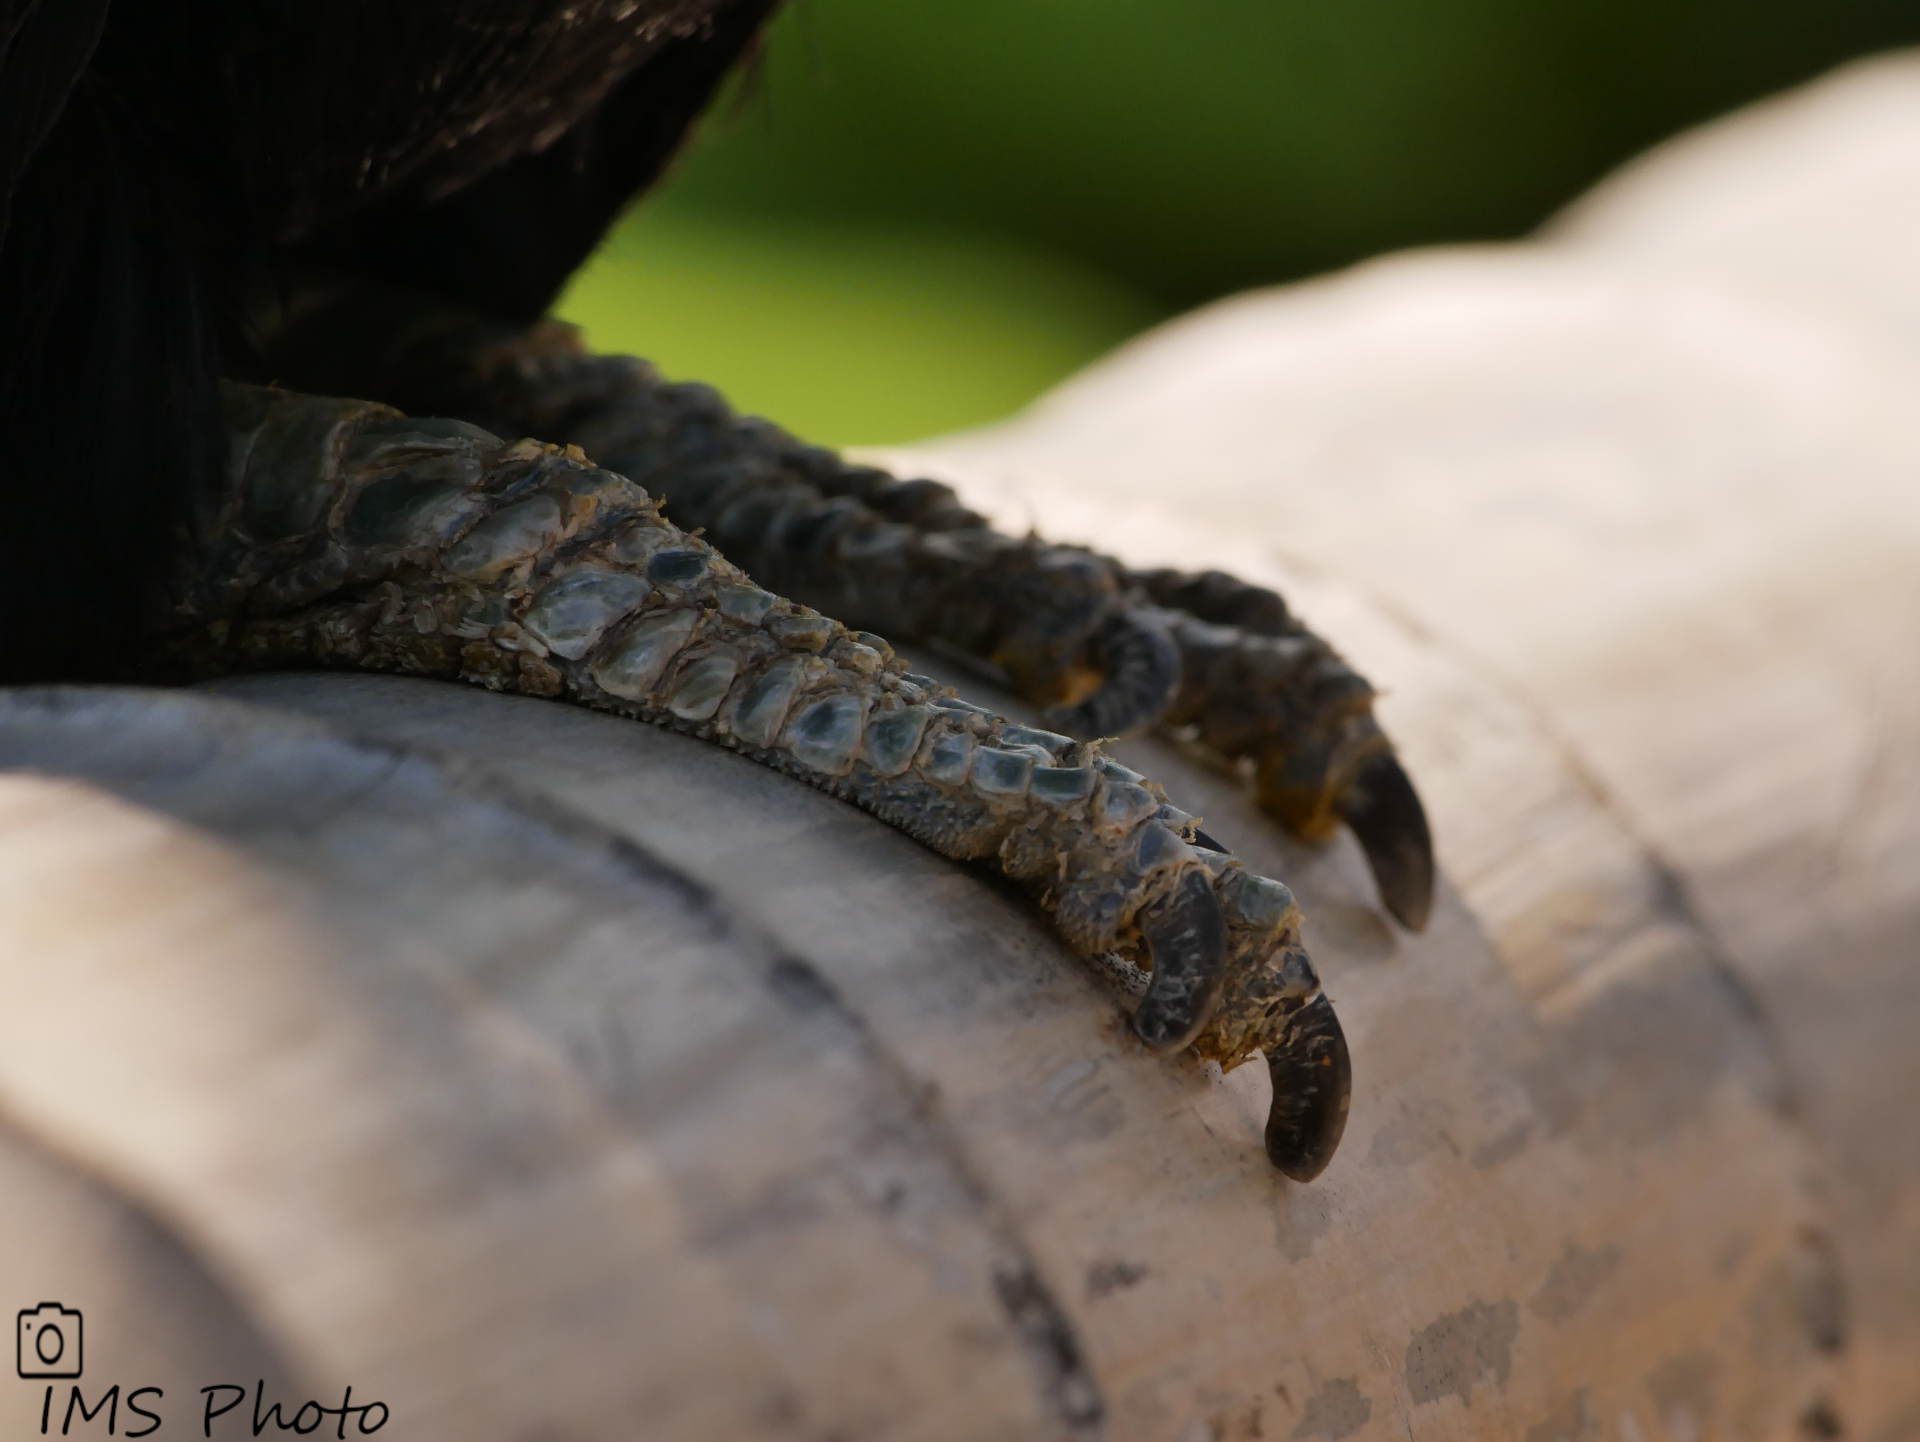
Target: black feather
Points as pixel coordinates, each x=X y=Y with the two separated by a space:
x=163 y=166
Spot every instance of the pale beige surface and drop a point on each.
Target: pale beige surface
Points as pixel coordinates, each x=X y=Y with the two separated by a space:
x=1627 y=525
x=772 y=1122
x=1534 y=1211
x=381 y=1172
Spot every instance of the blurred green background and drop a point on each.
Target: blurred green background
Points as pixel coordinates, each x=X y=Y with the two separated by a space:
x=915 y=215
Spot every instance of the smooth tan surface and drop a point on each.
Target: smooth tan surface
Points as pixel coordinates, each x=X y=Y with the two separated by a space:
x=1529 y=1205
x=388 y=1177
x=1626 y=526
x=769 y=1111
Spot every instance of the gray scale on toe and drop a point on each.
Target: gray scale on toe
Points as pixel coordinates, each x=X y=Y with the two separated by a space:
x=350 y=535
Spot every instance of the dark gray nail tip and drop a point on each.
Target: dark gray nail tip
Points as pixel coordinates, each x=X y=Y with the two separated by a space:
x=1312 y=1077
x=1187 y=938
x=1390 y=824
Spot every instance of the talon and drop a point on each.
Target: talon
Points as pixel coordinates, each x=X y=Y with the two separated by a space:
x=1140 y=662
x=1312 y=1084
x=1391 y=825
x=1187 y=938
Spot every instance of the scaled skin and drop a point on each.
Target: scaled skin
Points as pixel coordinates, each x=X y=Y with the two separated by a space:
x=350 y=535
x=1106 y=649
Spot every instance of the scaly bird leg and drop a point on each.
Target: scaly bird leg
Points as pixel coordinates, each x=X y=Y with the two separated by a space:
x=1108 y=649
x=350 y=535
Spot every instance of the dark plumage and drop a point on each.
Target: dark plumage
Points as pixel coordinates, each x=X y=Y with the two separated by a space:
x=167 y=170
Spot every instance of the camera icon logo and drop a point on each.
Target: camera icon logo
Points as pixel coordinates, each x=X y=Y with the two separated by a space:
x=49 y=1341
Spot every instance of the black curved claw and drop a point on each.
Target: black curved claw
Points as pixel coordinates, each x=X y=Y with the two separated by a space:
x=1312 y=1083
x=1187 y=938
x=1136 y=654
x=1386 y=816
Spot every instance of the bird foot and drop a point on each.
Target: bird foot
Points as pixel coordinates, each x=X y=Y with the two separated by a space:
x=1107 y=650
x=353 y=536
